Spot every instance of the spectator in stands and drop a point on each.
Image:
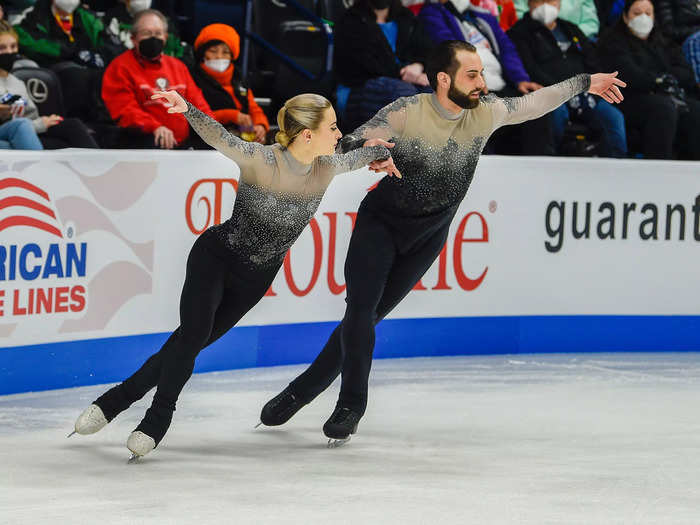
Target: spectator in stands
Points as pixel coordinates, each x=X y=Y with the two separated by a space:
x=2 y=13
x=680 y=22
x=55 y=31
x=138 y=73
x=15 y=132
x=119 y=20
x=55 y=132
x=581 y=13
x=661 y=96
x=503 y=10
x=233 y=104
x=553 y=50
x=504 y=72
x=380 y=48
x=62 y=35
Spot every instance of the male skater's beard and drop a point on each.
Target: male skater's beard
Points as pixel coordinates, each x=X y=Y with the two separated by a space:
x=461 y=98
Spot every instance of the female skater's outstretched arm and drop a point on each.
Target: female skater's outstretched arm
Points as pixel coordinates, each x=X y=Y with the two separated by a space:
x=245 y=154
x=538 y=103
x=240 y=151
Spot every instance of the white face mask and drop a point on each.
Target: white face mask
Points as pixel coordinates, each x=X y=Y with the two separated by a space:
x=219 y=64
x=67 y=5
x=545 y=14
x=136 y=6
x=641 y=25
x=461 y=5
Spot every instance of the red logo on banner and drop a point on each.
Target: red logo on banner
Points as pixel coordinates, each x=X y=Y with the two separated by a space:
x=329 y=250
x=22 y=203
x=215 y=208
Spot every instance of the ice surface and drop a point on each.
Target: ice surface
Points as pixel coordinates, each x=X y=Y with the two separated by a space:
x=575 y=439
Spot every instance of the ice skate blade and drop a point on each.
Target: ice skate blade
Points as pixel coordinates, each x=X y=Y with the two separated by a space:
x=259 y=423
x=335 y=443
x=74 y=432
x=134 y=459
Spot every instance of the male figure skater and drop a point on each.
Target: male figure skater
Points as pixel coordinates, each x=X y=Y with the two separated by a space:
x=403 y=223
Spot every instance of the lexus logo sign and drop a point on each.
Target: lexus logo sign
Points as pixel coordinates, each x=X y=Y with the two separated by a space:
x=38 y=90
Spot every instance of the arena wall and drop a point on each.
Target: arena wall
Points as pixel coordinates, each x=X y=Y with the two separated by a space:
x=544 y=255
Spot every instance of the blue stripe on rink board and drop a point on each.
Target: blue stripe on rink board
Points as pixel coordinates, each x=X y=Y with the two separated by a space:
x=77 y=363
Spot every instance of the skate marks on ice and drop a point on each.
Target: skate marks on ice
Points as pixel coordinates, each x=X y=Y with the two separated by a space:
x=524 y=439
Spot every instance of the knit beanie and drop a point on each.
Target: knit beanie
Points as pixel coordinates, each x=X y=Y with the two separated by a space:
x=220 y=32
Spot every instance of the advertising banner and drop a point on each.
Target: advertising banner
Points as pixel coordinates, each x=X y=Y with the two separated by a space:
x=544 y=255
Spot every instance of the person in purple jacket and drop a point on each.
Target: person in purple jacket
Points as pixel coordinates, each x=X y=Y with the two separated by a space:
x=504 y=72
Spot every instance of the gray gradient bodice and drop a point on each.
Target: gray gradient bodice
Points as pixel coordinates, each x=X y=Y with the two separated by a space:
x=277 y=195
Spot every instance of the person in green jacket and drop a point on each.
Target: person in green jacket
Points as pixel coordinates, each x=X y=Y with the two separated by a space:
x=54 y=31
x=62 y=35
x=582 y=13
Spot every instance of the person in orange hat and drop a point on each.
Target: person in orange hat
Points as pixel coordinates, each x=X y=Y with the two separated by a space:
x=233 y=104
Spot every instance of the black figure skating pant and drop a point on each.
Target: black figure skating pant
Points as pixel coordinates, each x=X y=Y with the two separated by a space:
x=214 y=298
x=378 y=277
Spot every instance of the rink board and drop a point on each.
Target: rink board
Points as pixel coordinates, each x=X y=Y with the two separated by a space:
x=544 y=255
x=79 y=363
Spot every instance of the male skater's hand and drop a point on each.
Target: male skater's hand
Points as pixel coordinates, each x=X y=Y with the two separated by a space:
x=177 y=103
x=606 y=86
x=380 y=166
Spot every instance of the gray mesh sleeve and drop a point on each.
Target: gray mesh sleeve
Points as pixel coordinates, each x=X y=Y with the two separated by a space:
x=331 y=165
x=389 y=122
x=245 y=154
x=515 y=110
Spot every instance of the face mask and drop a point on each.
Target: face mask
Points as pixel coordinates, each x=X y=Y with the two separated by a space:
x=67 y=5
x=7 y=60
x=545 y=14
x=461 y=5
x=641 y=25
x=219 y=64
x=151 y=48
x=136 y=6
x=380 y=4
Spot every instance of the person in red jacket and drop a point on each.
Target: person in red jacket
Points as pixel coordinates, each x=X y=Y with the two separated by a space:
x=233 y=104
x=135 y=75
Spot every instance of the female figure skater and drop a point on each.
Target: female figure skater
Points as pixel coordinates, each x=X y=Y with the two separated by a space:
x=231 y=265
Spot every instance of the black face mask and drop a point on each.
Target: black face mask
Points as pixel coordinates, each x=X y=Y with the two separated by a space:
x=461 y=98
x=380 y=4
x=151 y=48
x=7 y=60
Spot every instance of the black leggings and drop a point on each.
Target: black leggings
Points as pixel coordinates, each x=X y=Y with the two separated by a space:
x=662 y=126
x=378 y=277
x=214 y=298
x=71 y=133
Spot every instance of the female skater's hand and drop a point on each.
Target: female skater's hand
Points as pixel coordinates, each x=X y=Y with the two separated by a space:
x=178 y=104
x=386 y=166
x=382 y=165
x=606 y=86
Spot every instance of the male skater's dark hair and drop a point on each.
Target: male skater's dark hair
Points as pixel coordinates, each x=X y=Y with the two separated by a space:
x=444 y=58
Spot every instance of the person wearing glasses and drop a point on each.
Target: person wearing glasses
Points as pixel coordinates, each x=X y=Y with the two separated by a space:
x=134 y=76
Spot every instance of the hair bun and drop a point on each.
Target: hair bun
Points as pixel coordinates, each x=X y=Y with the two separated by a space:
x=282 y=138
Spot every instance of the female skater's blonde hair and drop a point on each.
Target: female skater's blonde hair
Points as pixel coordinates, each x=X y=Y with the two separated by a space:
x=299 y=113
